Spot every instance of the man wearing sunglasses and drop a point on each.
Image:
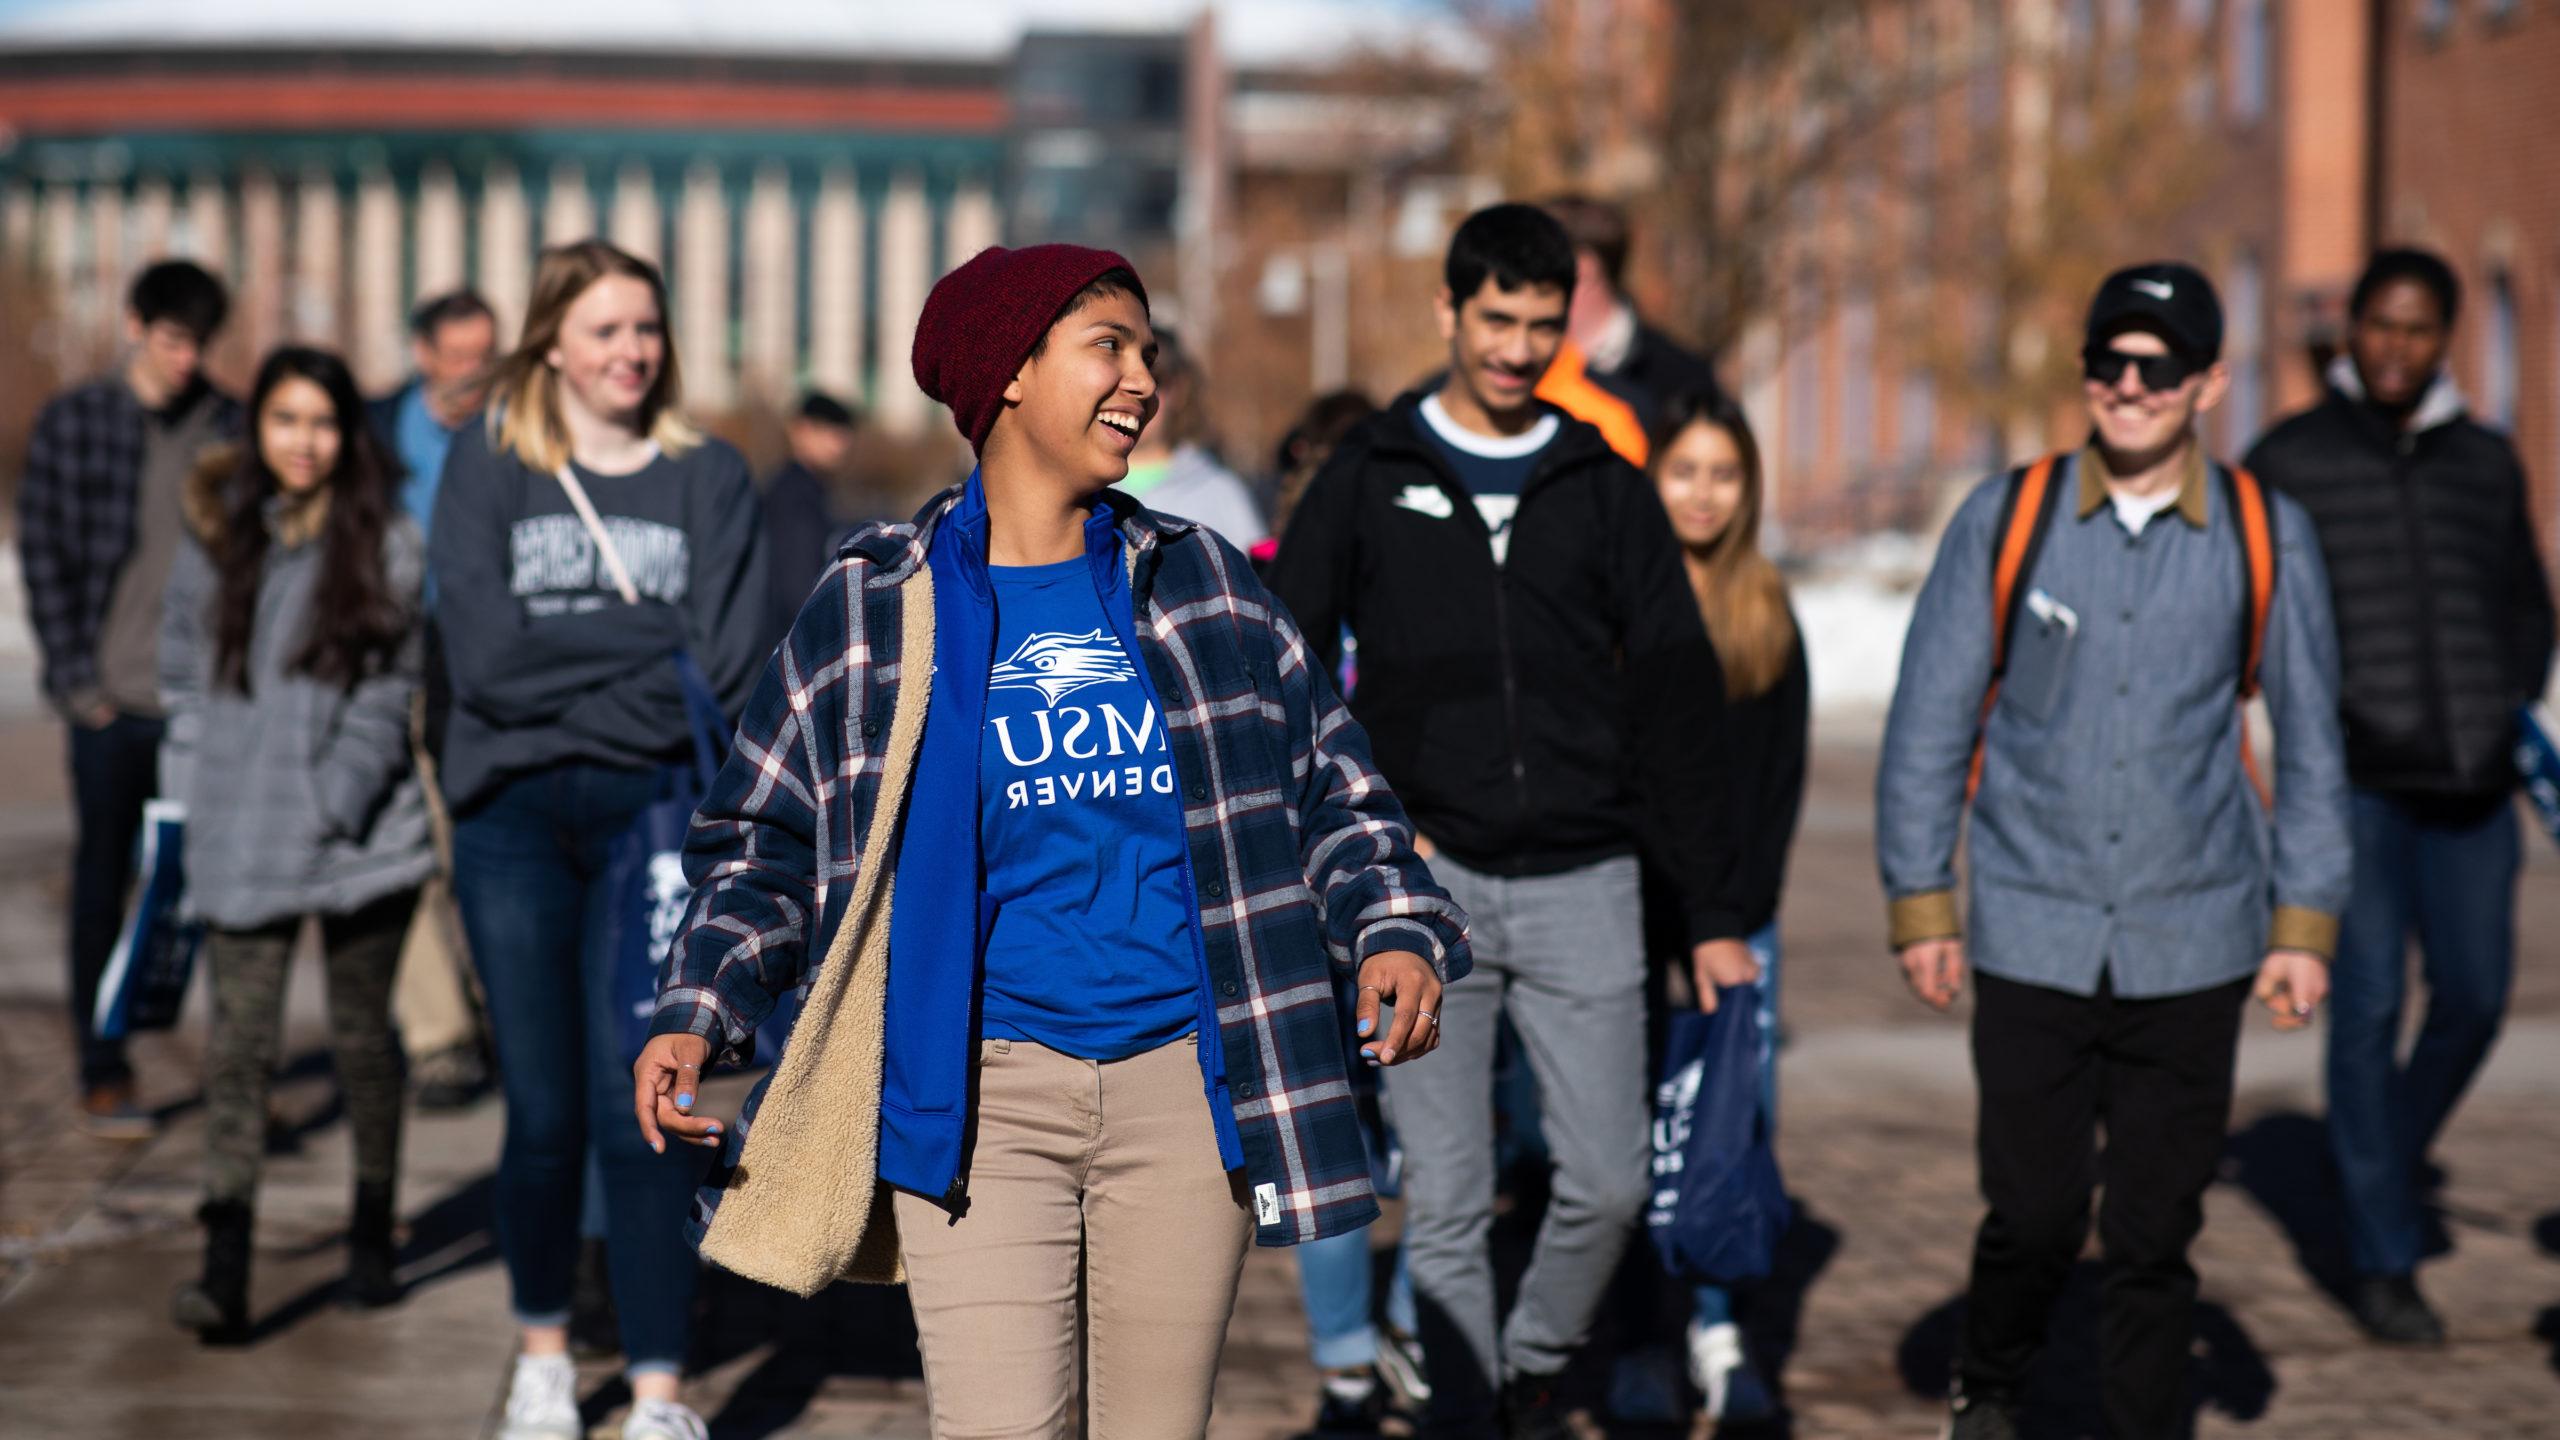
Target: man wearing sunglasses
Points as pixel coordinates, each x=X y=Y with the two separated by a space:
x=2126 y=885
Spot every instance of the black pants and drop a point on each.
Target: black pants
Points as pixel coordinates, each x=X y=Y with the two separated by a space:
x=2053 y=1068
x=115 y=770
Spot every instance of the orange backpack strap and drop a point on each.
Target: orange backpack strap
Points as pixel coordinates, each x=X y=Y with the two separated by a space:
x=2257 y=523
x=2025 y=514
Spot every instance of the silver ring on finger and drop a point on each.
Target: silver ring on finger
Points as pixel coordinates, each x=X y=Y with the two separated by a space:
x=1426 y=1015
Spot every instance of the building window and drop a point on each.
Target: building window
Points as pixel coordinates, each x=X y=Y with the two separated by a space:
x=1917 y=425
x=2244 y=410
x=2435 y=17
x=2251 y=45
x=2497 y=10
x=1803 y=386
x=2498 y=387
x=1858 y=381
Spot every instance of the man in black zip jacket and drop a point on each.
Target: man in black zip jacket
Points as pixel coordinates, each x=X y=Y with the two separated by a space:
x=2444 y=631
x=1540 y=690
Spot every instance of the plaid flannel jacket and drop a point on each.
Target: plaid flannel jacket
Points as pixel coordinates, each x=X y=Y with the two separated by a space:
x=76 y=504
x=1303 y=859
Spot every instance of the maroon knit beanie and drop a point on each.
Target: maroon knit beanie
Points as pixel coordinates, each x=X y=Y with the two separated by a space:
x=982 y=320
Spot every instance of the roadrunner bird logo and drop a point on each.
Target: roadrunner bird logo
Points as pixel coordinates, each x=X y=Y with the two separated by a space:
x=1060 y=665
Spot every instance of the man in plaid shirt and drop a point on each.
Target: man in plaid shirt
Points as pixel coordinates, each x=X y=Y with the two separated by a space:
x=98 y=525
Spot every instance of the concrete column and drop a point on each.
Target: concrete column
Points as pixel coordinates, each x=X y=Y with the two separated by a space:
x=637 y=225
x=506 y=257
x=375 y=326
x=835 y=286
x=153 y=209
x=972 y=225
x=262 y=288
x=58 y=238
x=906 y=274
x=772 y=360
x=702 y=289
x=568 y=212
x=439 y=228
x=208 y=222
x=319 y=278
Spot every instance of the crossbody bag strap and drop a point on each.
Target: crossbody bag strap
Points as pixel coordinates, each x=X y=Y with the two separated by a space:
x=587 y=516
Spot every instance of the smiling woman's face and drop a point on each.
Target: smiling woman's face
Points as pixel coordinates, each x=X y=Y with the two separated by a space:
x=1080 y=403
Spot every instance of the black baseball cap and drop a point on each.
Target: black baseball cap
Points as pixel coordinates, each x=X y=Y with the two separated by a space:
x=2168 y=299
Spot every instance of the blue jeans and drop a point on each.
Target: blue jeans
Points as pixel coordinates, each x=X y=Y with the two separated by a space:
x=1715 y=1302
x=2454 y=886
x=1334 y=1283
x=526 y=866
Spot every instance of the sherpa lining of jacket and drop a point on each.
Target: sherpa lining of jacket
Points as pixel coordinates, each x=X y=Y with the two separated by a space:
x=804 y=1207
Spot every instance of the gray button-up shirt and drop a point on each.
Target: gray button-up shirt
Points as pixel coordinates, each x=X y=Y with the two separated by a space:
x=2117 y=832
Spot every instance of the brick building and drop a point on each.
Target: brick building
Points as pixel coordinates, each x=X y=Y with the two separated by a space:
x=2467 y=110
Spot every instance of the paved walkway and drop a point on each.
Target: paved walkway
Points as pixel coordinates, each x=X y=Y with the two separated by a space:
x=1876 y=1139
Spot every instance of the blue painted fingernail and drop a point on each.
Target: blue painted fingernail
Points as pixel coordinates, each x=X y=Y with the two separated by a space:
x=1368 y=1054
x=658 y=1145
x=715 y=1127
x=685 y=1099
x=1366 y=1025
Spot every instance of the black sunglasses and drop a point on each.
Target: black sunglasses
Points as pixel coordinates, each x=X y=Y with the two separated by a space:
x=2160 y=373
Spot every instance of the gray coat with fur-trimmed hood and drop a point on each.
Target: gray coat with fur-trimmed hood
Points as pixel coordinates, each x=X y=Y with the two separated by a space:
x=301 y=795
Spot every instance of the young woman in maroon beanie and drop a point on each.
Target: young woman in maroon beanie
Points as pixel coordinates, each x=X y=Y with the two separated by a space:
x=1080 y=920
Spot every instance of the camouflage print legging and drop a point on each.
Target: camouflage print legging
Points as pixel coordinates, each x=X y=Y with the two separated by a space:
x=362 y=951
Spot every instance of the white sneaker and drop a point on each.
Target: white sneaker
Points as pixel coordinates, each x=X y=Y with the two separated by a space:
x=1715 y=1353
x=1400 y=1365
x=663 y=1420
x=542 y=1400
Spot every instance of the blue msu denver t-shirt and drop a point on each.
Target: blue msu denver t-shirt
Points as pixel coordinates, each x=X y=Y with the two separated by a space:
x=1090 y=951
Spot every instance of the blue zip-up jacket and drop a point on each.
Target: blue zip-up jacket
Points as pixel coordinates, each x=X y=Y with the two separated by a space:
x=1299 y=860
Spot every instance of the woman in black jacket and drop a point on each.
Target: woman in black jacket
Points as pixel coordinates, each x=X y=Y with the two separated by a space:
x=1706 y=466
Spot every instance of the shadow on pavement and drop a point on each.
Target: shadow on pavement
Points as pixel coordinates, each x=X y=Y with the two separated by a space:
x=2282 y=1161
x=453 y=1233
x=847 y=1330
x=2229 y=1375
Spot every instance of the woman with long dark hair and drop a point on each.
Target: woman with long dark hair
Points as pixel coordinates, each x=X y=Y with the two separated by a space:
x=583 y=537
x=1706 y=467
x=289 y=651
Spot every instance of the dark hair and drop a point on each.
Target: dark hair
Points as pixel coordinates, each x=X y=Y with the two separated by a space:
x=183 y=293
x=1118 y=280
x=1596 y=226
x=1517 y=245
x=2424 y=266
x=356 y=623
x=1309 y=443
x=436 y=312
x=825 y=409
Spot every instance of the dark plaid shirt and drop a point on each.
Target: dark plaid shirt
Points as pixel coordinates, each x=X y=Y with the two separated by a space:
x=76 y=503
x=1302 y=857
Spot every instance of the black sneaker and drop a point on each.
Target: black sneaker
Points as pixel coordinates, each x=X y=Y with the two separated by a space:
x=451 y=1079
x=1351 y=1403
x=1982 y=1417
x=2392 y=1311
x=1532 y=1409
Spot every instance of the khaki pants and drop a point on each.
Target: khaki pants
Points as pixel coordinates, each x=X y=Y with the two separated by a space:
x=1104 y=1172
x=432 y=992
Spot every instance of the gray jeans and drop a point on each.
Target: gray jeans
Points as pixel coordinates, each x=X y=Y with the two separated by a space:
x=1564 y=956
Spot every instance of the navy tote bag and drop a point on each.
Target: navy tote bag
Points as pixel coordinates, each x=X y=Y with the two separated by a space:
x=1718 y=1205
